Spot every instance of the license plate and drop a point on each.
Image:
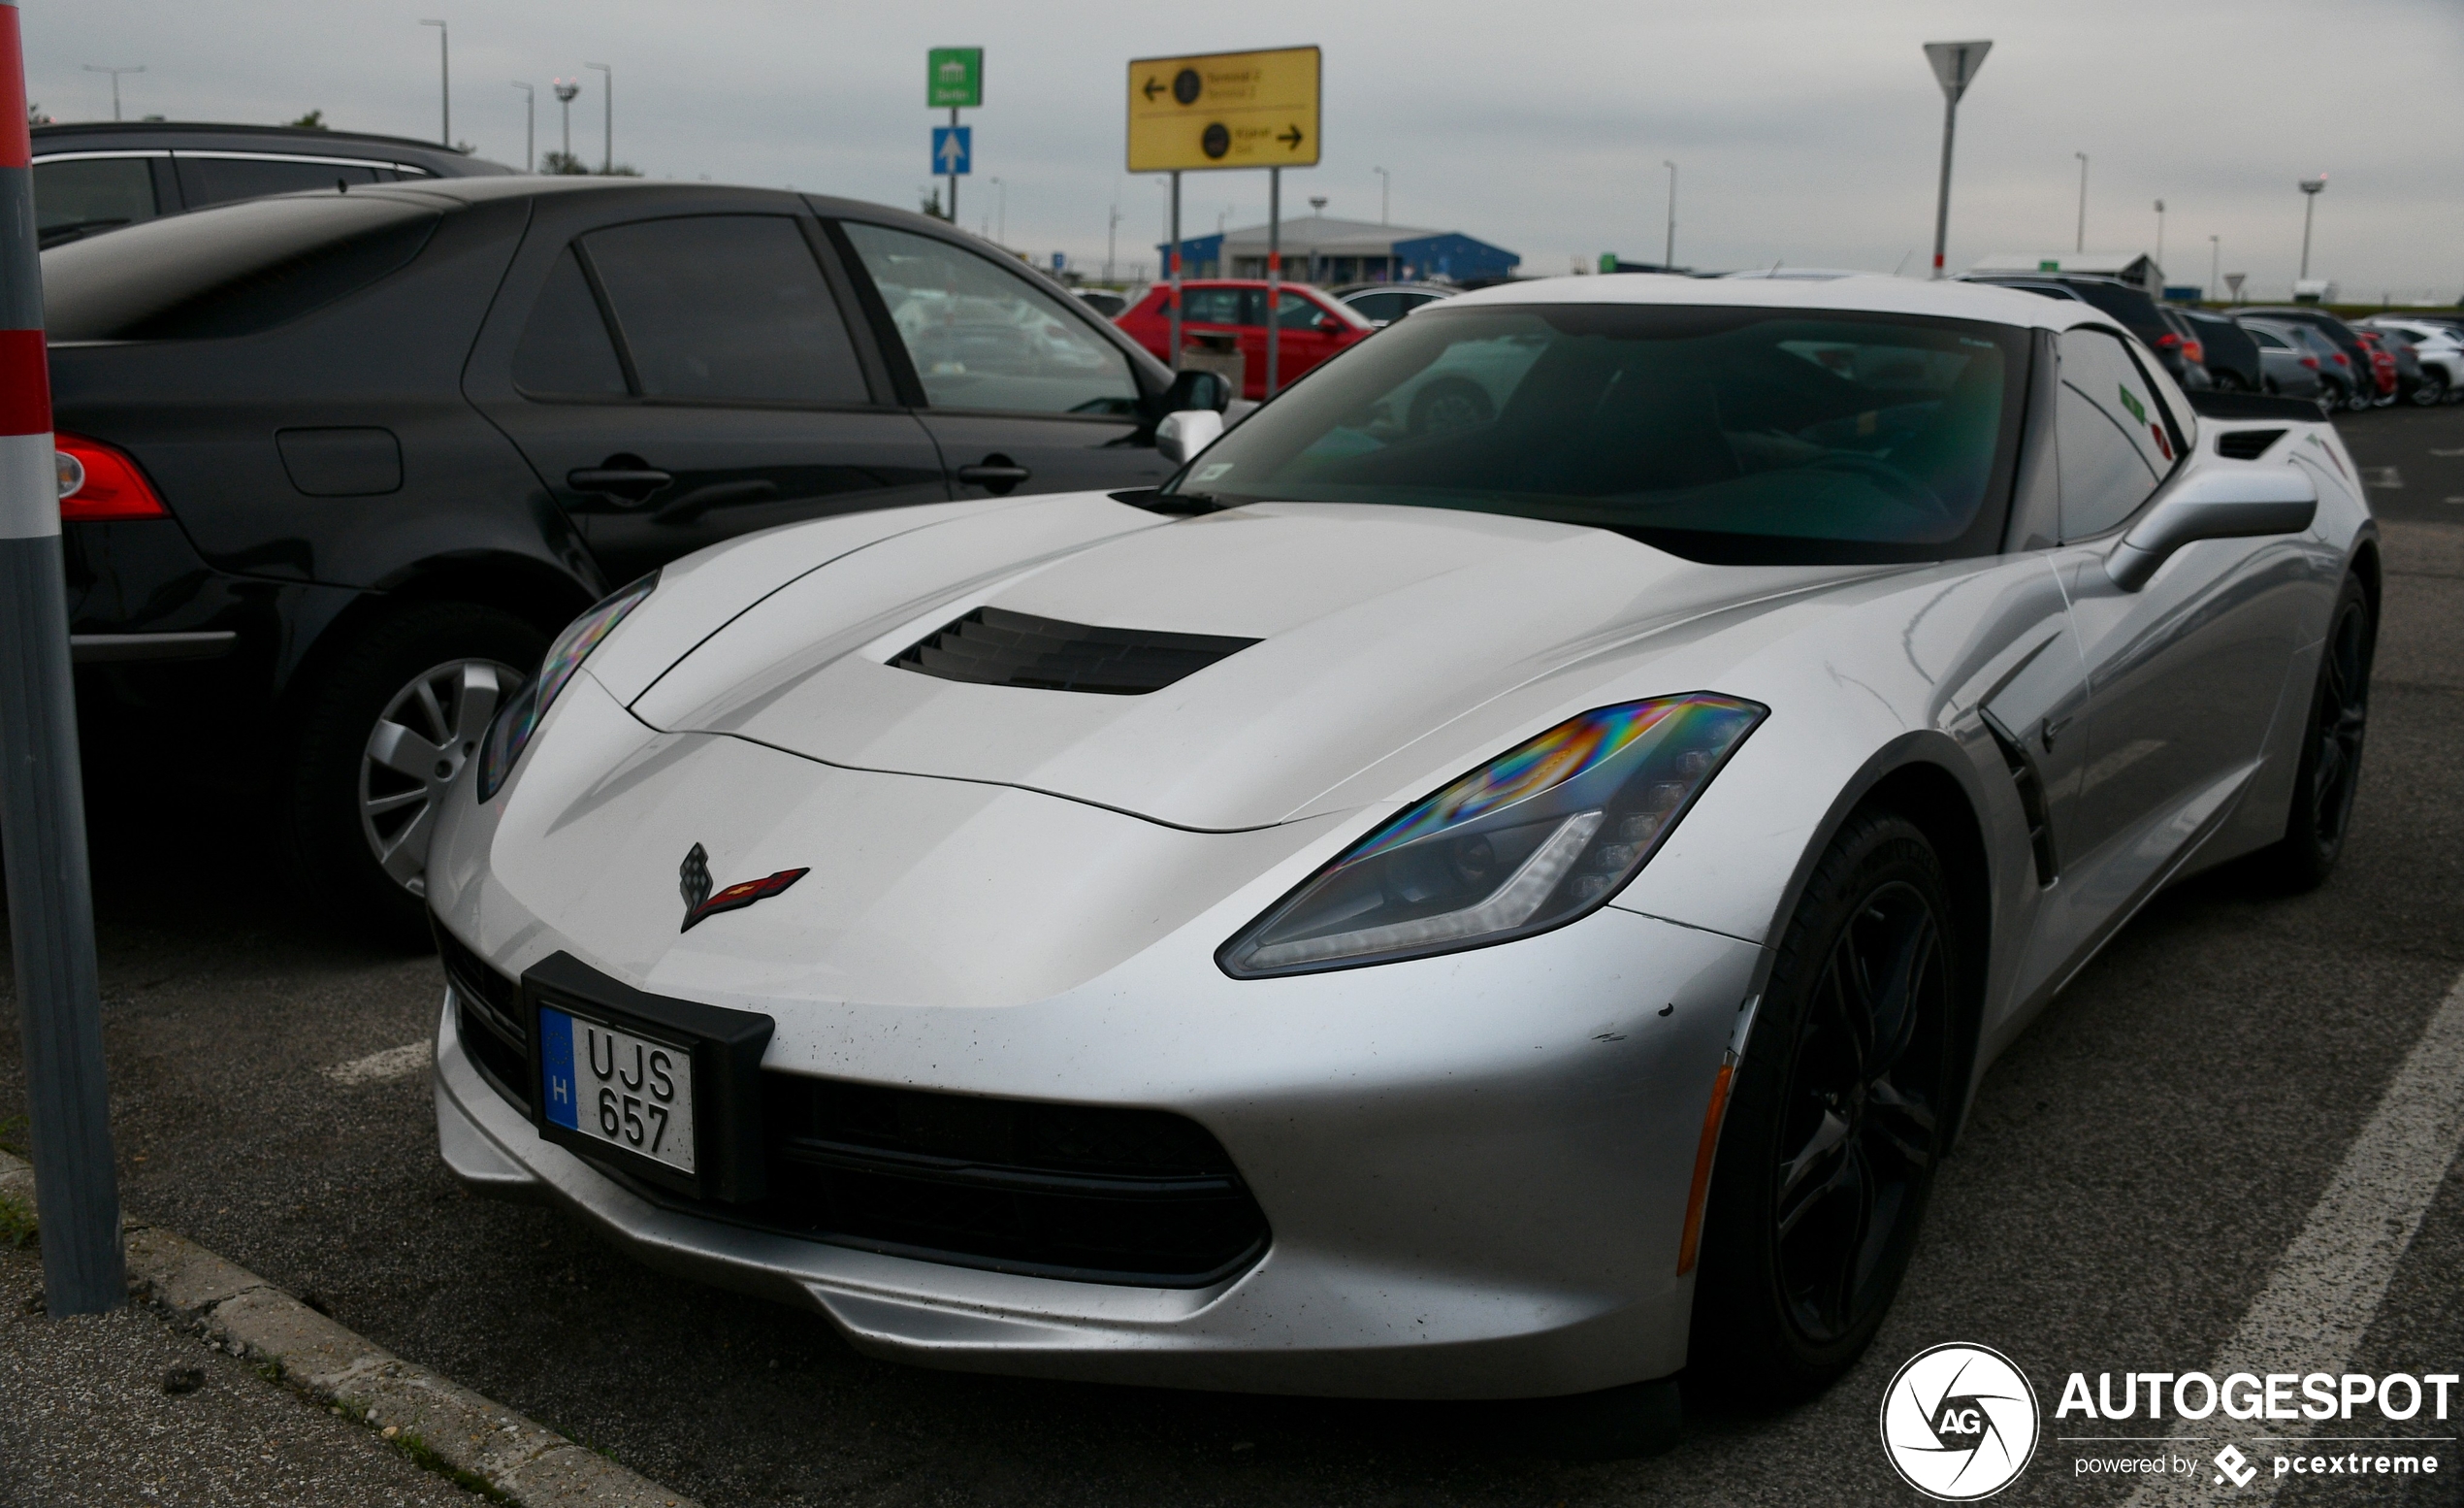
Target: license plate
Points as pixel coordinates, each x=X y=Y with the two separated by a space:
x=612 y=1086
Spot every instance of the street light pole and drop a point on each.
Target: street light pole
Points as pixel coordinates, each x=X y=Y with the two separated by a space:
x=607 y=97
x=444 y=85
x=530 y=126
x=1001 y=211
x=42 y=799
x=2081 y=244
x=2309 y=188
x=1111 y=241
x=1668 y=255
x=2215 y=263
x=2159 y=256
x=1385 y=192
x=1955 y=66
x=114 y=73
x=565 y=89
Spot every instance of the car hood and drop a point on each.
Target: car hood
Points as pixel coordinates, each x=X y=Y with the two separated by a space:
x=1375 y=627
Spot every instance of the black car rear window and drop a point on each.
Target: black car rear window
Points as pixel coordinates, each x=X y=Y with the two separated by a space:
x=235 y=269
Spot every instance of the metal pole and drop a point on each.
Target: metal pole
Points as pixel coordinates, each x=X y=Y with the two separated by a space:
x=2214 y=264
x=41 y=802
x=530 y=126
x=1171 y=302
x=1385 y=192
x=2159 y=256
x=607 y=161
x=2309 y=189
x=444 y=84
x=1942 y=196
x=114 y=73
x=1273 y=271
x=954 y=165
x=1111 y=241
x=1668 y=256
x=2082 y=242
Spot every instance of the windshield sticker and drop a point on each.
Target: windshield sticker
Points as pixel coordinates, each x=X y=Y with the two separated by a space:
x=1211 y=473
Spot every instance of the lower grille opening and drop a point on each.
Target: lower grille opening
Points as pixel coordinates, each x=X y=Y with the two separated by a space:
x=487 y=1017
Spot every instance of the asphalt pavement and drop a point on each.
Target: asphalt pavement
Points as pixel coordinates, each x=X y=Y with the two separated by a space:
x=2135 y=1169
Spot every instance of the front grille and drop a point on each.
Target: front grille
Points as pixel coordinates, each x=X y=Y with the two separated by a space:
x=995 y=647
x=488 y=1017
x=1062 y=1191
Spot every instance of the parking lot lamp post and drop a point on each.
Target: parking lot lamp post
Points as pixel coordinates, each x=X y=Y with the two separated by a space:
x=1955 y=65
x=1669 y=253
x=1385 y=192
x=1111 y=241
x=1002 y=199
x=114 y=73
x=42 y=801
x=530 y=126
x=2081 y=244
x=2309 y=188
x=2159 y=256
x=565 y=89
x=445 y=86
x=607 y=99
x=2215 y=263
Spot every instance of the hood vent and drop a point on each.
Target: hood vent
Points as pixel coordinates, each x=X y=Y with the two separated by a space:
x=993 y=648
x=2247 y=445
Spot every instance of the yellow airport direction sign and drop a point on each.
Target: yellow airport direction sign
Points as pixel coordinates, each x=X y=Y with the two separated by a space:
x=1224 y=110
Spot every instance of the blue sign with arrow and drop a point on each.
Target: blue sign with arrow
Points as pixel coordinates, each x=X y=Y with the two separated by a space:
x=953 y=150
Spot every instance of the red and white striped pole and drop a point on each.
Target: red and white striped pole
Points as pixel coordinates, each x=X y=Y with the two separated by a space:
x=41 y=802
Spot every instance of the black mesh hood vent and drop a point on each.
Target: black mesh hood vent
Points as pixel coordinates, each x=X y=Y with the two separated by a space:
x=993 y=648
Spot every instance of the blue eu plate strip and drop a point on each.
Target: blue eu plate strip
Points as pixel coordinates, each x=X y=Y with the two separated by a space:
x=555 y=1067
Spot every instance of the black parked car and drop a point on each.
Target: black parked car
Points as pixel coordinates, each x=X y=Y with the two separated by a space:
x=99 y=175
x=2231 y=355
x=344 y=462
x=2128 y=303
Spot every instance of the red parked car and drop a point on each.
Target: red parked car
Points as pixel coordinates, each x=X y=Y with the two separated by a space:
x=2382 y=364
x=1312 y=327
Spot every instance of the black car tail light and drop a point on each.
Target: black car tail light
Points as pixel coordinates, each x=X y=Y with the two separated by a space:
x=99 y=484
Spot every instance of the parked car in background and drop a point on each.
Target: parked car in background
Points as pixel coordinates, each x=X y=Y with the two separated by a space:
x=1311 y=324
x=337 y=466
x=2128 y=303
x=101 y=176
x=1103 y=301
x=2292 y=368
x=2413 y=383
x=2182 y=337
x=2231 y=356
x=1381 y=304
x=2361 y=381
x=2438 y=347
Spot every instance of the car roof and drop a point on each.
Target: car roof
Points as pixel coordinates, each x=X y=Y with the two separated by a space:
x=1862 y=293
x=214 y=136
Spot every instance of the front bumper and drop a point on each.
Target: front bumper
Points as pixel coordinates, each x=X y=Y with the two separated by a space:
x=1462 y=1205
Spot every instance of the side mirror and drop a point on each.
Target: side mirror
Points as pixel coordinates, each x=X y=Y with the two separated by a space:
x=1182 y=435
x=1328 y=324
x=1196 y=390
x=2237 y=503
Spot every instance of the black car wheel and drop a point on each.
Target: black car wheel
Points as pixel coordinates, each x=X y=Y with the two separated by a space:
x=2430 y=391
x=2329 y=774
x=381 y=736
x=1827 y=1150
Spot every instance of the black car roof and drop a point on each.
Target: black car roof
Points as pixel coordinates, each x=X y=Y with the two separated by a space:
x=210 y=136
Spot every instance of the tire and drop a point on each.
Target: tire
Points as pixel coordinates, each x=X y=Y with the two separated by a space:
x=1449 y=404
x=1836 y=1123
x=2229 y=383
x=2320 y=815
x=371 y=755
x=2267 y=386
x=2430 y=391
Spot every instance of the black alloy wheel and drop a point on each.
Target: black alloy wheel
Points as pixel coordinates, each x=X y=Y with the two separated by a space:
x=2329 y=774
x=2429 y=392
x=1836 y=1125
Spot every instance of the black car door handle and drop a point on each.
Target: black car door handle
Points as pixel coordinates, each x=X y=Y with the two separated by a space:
x=996 y=472
x=629 y=482
x=719 y=494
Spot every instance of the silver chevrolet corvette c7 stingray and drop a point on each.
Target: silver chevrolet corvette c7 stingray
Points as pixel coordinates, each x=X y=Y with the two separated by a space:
x=1499 y=880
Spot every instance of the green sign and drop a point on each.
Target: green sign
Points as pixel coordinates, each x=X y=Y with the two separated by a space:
x=955 y=76
x=2049 y=265
x=1607 y=262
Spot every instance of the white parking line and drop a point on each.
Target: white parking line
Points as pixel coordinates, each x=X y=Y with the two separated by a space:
x=2328 y=1287
x=393 y=1063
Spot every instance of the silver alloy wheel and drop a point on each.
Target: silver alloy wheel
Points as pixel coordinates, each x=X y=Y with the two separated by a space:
x=429 y=729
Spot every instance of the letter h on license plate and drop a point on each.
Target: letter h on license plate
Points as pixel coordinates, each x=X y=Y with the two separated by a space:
x=666 y=1091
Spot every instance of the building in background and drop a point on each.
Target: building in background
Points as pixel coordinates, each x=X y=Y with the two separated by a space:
x=1323 y=250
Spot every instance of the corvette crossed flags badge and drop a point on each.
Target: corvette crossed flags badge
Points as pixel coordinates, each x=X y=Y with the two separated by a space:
x=692 y=880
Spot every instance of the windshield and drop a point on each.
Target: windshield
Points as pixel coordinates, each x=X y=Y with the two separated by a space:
x=1731 y=435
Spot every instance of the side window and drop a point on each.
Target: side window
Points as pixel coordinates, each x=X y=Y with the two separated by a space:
x=2266 y=340
x=1381 y=305
x=1296 y=311
x=983 y=336
x=2109 y=431
x=1212 y=306
x=566 y=349
x=204 y=180
x=91 y=194
x=726 y=308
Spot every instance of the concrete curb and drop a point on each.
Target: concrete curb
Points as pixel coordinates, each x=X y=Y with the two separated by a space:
x=435 y=1418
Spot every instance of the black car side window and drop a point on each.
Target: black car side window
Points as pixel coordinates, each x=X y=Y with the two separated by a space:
x=726 y=308
x=565 y=349
x=204 y=180
x=2110 y=432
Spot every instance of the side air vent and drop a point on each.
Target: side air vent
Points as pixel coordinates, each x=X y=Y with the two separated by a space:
x=993 y=648
x=2247 y=445
x=2031 y=799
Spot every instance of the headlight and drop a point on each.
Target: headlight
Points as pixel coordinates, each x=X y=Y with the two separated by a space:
x=1530 y=840
x=515 y=721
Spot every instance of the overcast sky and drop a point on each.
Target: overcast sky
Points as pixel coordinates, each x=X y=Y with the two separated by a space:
x=1807 y=132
